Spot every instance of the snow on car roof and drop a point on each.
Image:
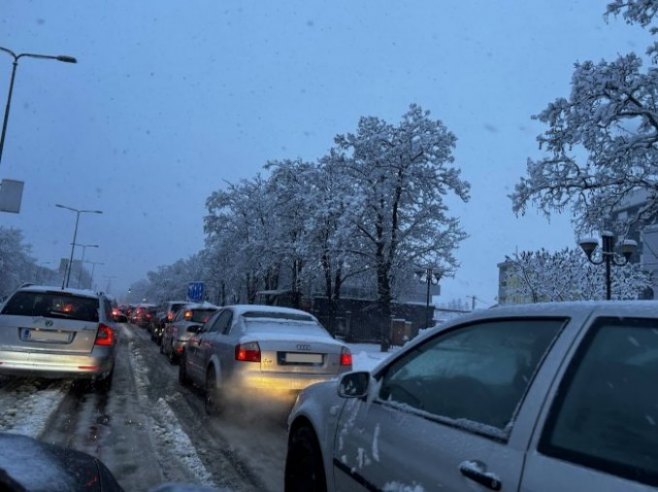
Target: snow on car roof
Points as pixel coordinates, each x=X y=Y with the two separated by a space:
x=240 y=309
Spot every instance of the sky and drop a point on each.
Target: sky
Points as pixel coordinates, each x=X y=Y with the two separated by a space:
x=170 y=100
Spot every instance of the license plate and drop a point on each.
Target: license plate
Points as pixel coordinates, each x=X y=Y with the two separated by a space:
x=303 y=358
x=49 y=336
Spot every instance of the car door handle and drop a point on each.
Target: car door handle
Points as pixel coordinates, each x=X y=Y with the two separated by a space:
x=477 y=471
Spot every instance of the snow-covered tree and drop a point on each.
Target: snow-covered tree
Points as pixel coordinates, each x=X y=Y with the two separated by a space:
x=567 y=275
x=400 y=176
x=601 y=145
x=16 y=264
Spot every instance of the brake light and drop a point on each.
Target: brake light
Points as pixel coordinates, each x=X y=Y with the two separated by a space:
x=345 y=357
x=247 y=352
x=105 y=336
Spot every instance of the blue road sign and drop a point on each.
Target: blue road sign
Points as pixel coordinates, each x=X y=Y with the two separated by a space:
x=195 y=291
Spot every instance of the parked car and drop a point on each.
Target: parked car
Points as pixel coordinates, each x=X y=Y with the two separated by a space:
x=265 y=351
x=538 y=397
x=187 y=321
x=165 y=316
x=57 y=333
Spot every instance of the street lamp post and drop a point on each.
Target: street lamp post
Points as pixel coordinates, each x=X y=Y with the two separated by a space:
x=65 y=282
x=430 y=277
x=16 y=57
x=608 y=255
x=82 y=260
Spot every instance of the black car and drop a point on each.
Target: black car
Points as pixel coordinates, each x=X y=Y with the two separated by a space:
x=28 y=464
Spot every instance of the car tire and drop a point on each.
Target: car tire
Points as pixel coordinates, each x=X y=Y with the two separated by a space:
x=183 y=378
x=212 y=394
x=162 y=348
x=105 y=384
x=304 y=467
x=172 y=356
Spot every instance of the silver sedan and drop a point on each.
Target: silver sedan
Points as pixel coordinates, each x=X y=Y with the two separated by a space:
x=265 y=351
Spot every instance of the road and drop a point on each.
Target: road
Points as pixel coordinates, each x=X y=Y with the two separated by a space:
x=147 y=428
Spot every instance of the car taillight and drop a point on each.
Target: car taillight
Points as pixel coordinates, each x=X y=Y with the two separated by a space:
x=170 y=316
x=247 y=352
x=345 y=357
x=105 y=335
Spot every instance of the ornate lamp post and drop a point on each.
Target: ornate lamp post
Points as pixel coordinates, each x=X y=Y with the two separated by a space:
x=430 y=277
x=608 y=255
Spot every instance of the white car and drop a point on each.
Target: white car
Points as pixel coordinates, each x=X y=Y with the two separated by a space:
x=544 y=397
x=264 y=351
x=58 y=333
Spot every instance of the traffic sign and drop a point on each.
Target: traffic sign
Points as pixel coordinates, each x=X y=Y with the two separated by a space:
x=195 y=291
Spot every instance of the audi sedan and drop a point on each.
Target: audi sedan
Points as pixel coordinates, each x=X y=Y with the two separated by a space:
x=265 y=351
x=538 y=397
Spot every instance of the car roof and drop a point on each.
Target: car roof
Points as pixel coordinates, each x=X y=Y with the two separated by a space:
x=55 y=289
x=201 y=305
x=564 y=309
x=264 y=308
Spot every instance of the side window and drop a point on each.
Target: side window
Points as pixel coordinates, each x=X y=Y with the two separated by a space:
x=225 y=323
x=606 y=413
x=222 y=322
x=477 y=373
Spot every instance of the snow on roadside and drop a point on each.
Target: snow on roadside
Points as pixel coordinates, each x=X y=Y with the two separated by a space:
x=27 y=409
x=169 y=433
x=167 y=430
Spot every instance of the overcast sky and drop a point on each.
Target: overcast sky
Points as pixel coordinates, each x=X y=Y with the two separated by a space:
x=170 y=99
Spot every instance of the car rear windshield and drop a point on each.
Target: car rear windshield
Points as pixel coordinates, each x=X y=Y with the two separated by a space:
x=277 y=315
x=52 y=305
x=200 y=315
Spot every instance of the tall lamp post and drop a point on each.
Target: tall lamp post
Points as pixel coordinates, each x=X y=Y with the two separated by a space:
x=608 y=255
x=65 y=282
x=82 y=259
x=430 y=277
x=16 y=57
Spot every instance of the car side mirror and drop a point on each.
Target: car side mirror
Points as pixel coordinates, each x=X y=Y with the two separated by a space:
x=195 y=328
x=354 y=384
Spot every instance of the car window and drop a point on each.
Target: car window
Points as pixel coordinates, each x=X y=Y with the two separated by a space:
x=54 y=305
x=201 y=315
x=606 y=413
x=222 y=322
x=477 y=373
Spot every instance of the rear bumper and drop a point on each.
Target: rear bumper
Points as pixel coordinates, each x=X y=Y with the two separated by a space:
x=277 y=382
x=55 y=366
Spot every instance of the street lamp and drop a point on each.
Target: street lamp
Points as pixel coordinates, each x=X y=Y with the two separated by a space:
x=93 y=269
x=82 y=260
x=65 y=282
x=608 y=255
x=62 y=58
x=430 y=277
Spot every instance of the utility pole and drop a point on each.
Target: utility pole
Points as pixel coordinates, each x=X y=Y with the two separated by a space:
x=472 y=298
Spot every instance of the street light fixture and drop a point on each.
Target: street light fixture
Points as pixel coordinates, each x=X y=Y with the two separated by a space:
x=65 y=281
x=16 y=57
x=608 y=255
x=430 y=277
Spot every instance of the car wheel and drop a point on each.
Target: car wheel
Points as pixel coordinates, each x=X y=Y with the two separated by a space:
x=213 y=396
x=183 y=378
x=172 y=356
x=304 y=469
x=162 y=348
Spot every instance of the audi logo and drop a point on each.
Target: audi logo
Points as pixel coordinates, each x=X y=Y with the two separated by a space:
x=303 y=346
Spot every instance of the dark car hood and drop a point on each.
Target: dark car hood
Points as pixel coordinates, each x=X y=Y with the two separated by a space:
x=32 y=465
